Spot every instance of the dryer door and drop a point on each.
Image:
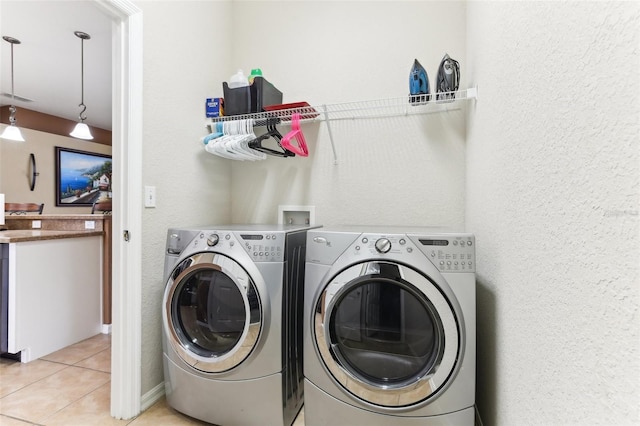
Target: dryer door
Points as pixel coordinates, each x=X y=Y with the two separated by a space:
x=387 y=334
x=212 y=313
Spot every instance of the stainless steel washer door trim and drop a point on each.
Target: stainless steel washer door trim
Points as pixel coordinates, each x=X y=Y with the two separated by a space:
x=407 y=393
x=251 y=332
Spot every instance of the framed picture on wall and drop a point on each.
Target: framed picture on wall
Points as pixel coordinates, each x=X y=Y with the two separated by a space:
x=82 y=178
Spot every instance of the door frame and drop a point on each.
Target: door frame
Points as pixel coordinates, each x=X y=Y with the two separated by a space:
x=126 y=341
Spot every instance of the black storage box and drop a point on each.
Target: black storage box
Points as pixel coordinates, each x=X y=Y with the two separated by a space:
x=237 y=100
x=263 y=93
x=252 y=98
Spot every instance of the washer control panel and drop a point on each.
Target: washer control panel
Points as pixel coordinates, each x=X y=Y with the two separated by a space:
x=261 y=247
x=450 y=254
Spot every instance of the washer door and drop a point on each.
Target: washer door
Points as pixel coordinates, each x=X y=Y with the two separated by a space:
x=212 y=312
x=387 y=334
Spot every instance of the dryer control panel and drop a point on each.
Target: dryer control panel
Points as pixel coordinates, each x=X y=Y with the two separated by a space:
x=450 y=254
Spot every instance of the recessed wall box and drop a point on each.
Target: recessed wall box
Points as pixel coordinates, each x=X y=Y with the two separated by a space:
x=296 y=215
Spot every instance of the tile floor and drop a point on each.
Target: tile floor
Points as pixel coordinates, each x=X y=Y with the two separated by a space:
x=72 y=387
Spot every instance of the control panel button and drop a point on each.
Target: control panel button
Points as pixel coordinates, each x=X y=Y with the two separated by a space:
x=213 y=240
x=402 y=241
x=383 y=245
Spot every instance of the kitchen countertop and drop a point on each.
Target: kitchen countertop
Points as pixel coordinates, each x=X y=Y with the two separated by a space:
x=54 y=216
x=21 y=235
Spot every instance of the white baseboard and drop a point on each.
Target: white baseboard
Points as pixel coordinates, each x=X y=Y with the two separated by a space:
x=151 y=397
x=105 y=329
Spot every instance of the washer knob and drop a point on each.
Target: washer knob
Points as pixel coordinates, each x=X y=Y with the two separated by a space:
x=213 y=240
x=383 y=245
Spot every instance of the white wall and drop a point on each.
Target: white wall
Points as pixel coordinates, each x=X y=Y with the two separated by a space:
x=390 y=171
x=15 y=168
x=552 y=196
x=185 y=57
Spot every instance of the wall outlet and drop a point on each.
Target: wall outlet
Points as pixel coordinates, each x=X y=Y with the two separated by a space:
x=296 y=215
x=36 y=224
x=89 y=224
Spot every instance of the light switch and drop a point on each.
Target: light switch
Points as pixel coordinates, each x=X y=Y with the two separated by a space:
x=150 y=196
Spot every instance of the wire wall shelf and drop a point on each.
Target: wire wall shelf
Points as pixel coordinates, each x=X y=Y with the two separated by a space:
x=381 y=108
x=406 y=105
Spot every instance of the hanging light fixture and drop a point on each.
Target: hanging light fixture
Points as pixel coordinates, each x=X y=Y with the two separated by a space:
x=81 y=130
x=12 y=132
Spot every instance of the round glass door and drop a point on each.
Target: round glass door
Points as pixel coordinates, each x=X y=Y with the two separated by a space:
x=212 y=312
x=386 y=333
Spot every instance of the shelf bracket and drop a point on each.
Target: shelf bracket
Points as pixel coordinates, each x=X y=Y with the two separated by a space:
x=333 y=147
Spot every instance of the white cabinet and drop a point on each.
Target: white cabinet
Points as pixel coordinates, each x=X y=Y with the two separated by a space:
x=54 y=294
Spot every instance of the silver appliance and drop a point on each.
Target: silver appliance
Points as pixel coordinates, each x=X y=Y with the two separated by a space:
x=232 y=323
x=390 y=327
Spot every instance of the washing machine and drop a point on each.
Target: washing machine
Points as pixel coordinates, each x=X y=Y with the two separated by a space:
x=232 y=323
x=390 y=328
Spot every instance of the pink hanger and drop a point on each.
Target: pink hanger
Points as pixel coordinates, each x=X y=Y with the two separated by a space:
x=296 y=133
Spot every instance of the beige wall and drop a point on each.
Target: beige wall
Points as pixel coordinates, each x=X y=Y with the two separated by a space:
x=185 y=60
x=392 y=170
x=15 y=168
x=553 y=189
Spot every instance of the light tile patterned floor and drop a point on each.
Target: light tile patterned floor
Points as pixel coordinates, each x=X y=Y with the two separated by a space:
x=72 y=387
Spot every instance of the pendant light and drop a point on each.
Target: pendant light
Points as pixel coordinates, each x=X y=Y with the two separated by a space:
x=81 y=130
x=12 y=132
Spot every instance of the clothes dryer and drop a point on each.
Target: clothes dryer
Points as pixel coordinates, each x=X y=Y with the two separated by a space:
x=390 y=328
x=232 y=323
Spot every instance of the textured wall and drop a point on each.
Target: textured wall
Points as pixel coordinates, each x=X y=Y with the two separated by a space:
x=552 y=195
x=391 y=170
x=182 y=67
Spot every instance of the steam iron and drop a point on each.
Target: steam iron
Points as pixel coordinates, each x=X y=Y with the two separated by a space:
x=418 y=83
x=448 y=79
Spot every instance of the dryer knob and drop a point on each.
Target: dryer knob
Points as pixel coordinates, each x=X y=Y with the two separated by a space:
x=383 y=245
x=213 y=240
